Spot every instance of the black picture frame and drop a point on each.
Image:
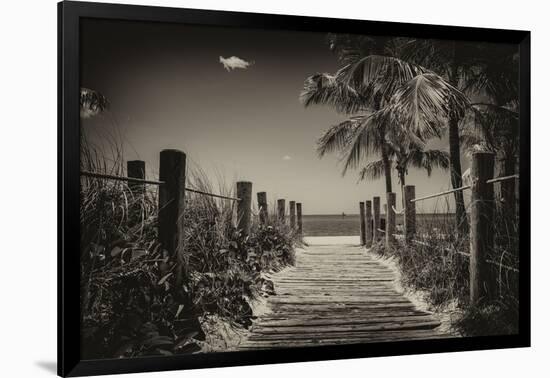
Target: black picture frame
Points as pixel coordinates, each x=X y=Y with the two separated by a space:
x=70 y=15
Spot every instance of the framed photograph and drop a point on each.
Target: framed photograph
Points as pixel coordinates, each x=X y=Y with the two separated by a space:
x=240 y=188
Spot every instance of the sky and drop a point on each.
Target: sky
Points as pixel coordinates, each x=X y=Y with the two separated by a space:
x=168 y=88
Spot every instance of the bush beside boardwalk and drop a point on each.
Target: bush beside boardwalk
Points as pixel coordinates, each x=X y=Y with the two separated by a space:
x=437 y=265
x=130 y=303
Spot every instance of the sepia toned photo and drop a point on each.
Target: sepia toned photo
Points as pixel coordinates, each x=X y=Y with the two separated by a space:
x=246 y=189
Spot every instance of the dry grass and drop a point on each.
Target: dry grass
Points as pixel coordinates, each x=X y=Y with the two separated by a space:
x=437 y=263
x=131 y=302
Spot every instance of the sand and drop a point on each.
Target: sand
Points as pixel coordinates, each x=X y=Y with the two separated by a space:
x=332 y=240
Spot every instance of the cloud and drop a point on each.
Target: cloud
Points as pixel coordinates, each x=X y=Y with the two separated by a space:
x=234 y=62
x=286 y=157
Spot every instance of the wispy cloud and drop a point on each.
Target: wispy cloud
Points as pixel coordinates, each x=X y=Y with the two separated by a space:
x=286 y=157
x=234 y=62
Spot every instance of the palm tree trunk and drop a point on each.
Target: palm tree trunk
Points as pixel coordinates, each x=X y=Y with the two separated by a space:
x=456 y=176
x=402 y=182
x=387 y=168
x=454 y=160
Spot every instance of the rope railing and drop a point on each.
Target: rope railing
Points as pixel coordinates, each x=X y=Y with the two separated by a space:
x=441 y=193
x=503 y=178
x=120 y=178
x=212 y=195
x=491 y=181
x=481 y=218
x=150 y=182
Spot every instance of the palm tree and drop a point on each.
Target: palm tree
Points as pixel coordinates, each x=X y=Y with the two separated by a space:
x=456 y=62
x=392 y=95
x=496 y=129
x=333 y=90
x=497 y=120
x=403 y=155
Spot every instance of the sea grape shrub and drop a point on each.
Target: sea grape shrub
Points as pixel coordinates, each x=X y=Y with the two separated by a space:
x=272 y=247
x=437 y=263
x=132 y=310
x=132 y=302
x=229 y=285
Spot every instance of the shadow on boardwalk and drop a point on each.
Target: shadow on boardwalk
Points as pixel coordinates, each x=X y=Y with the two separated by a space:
x=337 y=294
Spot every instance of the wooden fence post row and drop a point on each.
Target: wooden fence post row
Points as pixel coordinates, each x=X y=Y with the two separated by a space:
x=171 y=206
x=368 y=224
x=281 y=210
x=136 y=169
x=295 y=210
x=362 y=223
x=262 y=206
x=410 y=214
x=376 y=226
x=244 y=206
x=482 y=225
x=299 y=215
x=292 y=209
x=390 y=218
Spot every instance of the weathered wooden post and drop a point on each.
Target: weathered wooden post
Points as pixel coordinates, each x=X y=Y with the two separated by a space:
x=362 y=222
x=244 y=206
x=171 y=207
x=292 y=208
x=481 y=228
x=281 y=210
x=136 y=169
x=299 y=216
x=390 y=218
x=376 y=226
x=410 y=213
x=262 y=207
x=368 y=224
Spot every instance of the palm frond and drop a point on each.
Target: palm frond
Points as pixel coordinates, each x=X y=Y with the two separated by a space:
x=91 y=103
x=497 y=126
x=326 y=89
x=430 y=159
x=496 y=73
x=378 y=77
x=349 y=48
x=470 y=137
x=368 y=137
x=424 y=103
x=337 y=137
x=372 y=171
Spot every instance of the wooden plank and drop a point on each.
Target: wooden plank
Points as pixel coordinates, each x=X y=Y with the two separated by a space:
x=339 y=328
x=332 y=321
x=337 y=295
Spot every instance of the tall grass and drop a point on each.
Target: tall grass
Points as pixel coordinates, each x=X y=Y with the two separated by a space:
x=437 y=263
x=131 y=302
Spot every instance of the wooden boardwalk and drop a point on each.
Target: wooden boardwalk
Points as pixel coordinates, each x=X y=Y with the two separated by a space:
x=337 y=294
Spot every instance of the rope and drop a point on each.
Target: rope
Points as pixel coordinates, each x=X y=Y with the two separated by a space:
x=503 y=178
x=397 y=212
x=120 y=178
x=442 y=193
x=151 y=182
x=212 y=195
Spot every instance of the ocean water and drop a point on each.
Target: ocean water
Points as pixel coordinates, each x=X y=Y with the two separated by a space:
x=337 y=225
